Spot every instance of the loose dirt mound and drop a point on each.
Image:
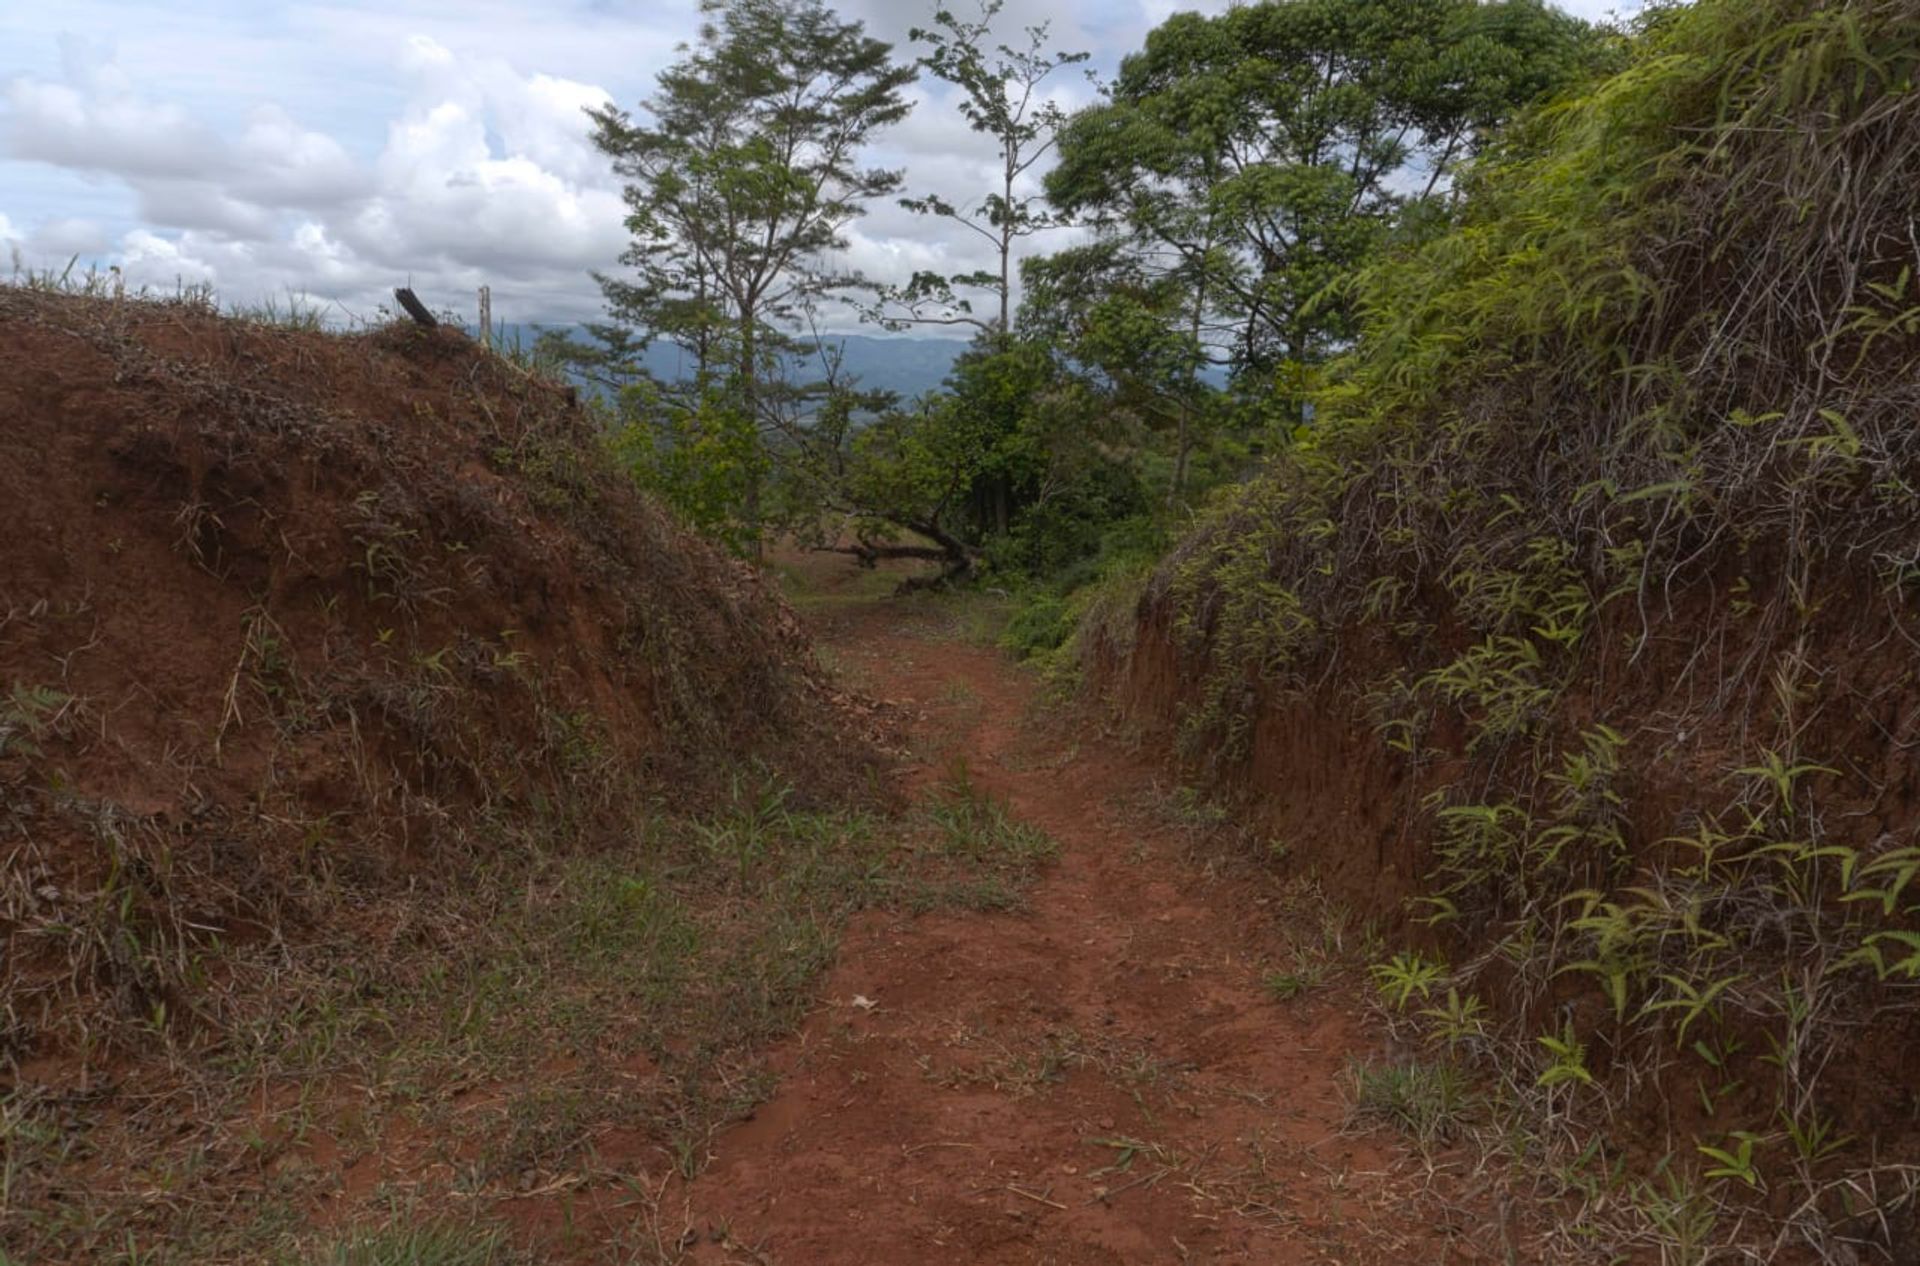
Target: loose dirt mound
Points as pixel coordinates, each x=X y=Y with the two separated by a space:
x=298 y=630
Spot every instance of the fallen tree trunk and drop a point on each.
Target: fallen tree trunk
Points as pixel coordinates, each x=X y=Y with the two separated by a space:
x=870 y=554
x=956 y=556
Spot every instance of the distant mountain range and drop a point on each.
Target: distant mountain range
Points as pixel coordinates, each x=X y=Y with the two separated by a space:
x=908 y=367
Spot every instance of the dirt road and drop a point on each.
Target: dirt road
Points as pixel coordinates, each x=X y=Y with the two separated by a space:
x=1104 y=1077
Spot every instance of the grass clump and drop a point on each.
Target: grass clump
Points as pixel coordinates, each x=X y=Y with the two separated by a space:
x=1427 y=1099
x=1306 y=975
x=975 y=826
x=418 y=1244
x=973 y=853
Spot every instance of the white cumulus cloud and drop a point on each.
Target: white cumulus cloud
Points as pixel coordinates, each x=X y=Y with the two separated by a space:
x=93 y=120
x=487 y=175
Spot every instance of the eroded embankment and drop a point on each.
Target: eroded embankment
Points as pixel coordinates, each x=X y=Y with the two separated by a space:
x=332 y=670
x=1579 y=636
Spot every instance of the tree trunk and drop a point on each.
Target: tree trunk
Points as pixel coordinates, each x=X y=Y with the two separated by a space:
x=1183 y=445
x=955 y=554
x=1006 y=249
x=959 y=556
x=1006 y=283
x=750 y=403
x=867 y=553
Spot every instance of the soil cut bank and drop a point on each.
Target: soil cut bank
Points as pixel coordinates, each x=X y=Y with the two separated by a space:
x=1576 y=638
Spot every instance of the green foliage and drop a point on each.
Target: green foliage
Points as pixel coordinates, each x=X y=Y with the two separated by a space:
x=966 y=461
x=1000 y=97
x=739 y=186
x=1007 y=467
x=1459 y=1021
x=1040 y=624
x=420 y=1244
x=1406 y=975
x=1735 y=1160
x=1603 y=488
x=1264 y=151
x=1428 y=1100
x=1061 y=442
x=1569 y=1059
x=701 y=458
x=1229 y=202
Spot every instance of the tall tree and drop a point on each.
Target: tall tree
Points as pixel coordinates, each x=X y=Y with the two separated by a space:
x=1000 y=96
x=1265 y=151
x=1129 y=327
x=740 y=186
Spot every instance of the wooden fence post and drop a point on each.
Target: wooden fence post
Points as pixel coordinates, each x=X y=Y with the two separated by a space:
x=414 y=308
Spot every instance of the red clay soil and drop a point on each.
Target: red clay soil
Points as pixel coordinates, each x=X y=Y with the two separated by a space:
x=306 y=640
x=278 y=601
x=1099 y=1079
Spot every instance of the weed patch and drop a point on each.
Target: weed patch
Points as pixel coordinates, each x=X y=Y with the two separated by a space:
x=423 y=1244
x=1425 y=1099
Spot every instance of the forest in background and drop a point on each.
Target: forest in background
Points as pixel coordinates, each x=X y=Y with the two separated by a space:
x=1225 y=189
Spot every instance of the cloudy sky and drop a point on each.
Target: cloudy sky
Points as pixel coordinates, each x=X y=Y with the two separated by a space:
x=335 y=148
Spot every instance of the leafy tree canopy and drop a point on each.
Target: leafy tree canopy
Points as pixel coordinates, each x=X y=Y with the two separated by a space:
x=1266 y=151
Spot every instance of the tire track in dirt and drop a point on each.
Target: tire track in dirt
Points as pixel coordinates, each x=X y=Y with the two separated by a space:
x=1101 y=1078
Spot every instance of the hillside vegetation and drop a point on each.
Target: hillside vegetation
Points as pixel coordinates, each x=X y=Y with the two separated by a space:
x=1578 y=634
x=1478 y=445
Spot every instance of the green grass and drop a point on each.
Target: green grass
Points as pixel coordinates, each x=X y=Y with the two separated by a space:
x=974 y=854
x=825 y=586
x=975 y=826
x=1429 y=1101
x=1303 y=977
x=421 y=1244
x=857 y=586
